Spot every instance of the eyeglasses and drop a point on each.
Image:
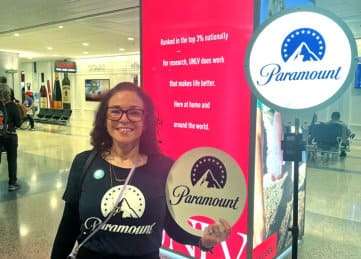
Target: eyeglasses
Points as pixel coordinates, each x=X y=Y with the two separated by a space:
x=133 y=114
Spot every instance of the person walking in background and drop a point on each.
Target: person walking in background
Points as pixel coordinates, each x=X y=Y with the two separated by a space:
x=9 y=140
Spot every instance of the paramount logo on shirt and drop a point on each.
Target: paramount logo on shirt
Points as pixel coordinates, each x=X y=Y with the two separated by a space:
x=93 y=222
x=131 y=206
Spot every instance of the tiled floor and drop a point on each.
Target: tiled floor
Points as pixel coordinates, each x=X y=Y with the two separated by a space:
x=29 y=217
x=333 y=208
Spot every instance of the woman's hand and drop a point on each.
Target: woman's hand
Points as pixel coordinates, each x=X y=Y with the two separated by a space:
x=214 y=234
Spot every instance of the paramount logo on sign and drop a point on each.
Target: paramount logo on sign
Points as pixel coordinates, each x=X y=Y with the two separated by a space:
x=208 y=172
x=182 y=194
x=301 y=59
x=205 y=183
x=299 y=49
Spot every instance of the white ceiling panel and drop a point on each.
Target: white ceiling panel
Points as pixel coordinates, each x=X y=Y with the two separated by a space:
x=18 y=14
x=105 y=34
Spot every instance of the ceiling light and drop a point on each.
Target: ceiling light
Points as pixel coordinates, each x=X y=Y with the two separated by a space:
x=130 y=38
x=49 y=48
x=16 y=34
x=60 y=26
x=121 y=49
x=86 y=44
x=85 y=52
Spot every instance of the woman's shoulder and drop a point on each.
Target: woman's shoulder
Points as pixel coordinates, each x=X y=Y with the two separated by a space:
x=160 y=158
x=82 y=156
x=160 y=162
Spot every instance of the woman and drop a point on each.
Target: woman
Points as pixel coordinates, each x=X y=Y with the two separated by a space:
x=124 y=137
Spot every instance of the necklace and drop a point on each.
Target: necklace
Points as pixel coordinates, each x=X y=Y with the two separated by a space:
x=122 y=180
x=113 y=175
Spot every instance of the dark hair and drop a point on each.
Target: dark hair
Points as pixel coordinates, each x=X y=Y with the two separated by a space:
x=102 y=141
x=5 y=95
x=3 y=80
x=335 y=116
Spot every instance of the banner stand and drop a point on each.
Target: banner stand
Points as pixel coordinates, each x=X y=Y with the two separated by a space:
x=292 y=147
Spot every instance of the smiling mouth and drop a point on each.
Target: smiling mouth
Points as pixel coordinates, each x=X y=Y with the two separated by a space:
x=125 y=130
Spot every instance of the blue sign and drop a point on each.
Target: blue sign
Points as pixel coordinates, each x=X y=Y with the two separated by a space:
x=358 y=75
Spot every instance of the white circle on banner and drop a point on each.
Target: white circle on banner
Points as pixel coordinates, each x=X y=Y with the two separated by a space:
x=301 y=60
x=205 y=184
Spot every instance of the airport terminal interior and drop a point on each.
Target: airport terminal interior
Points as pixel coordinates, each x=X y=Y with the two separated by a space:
x=103 y=38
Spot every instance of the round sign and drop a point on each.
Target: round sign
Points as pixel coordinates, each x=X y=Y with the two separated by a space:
x=205 y=184
x=301 y=59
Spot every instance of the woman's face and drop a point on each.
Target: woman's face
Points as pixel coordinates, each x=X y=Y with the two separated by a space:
x=125 y=118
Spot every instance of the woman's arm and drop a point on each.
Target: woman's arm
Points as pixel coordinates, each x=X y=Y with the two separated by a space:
x=68 y=231
x=177 y=233
x=212 y=235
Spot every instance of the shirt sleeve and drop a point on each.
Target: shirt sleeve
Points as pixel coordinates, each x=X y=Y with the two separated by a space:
x=73 y=187
x=68 y=231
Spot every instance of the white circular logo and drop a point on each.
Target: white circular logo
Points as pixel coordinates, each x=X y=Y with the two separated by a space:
x=301 y=60
x=132 y=204
x=205 y=184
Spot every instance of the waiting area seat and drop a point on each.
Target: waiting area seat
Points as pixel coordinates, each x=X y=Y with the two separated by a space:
x=53 y=116
x=325 y=139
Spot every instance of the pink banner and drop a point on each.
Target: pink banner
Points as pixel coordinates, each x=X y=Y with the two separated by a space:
x=193 y=67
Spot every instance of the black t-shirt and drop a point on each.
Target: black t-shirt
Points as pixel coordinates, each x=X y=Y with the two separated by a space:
x=136 y=228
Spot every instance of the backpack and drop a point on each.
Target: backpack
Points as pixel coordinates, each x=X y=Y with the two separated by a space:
x=3 y=120
x=3 y=126
x=22 y=111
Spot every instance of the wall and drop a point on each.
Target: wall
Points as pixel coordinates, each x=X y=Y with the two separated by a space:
x=115 y=68
x=9 y=63
x=347 y=104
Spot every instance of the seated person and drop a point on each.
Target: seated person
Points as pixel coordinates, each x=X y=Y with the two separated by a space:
x=310 y=131
x=346 y=132
x=28 y=107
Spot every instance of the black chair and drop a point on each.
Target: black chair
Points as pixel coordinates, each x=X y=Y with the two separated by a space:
x=66 y=114
x=42 y=112
x=49 y=113
x=57 y=114
x=327 y=137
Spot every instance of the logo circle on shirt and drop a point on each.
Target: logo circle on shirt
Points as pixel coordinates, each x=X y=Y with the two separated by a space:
x=132 y=204
x=203 y=185
x=98 y=174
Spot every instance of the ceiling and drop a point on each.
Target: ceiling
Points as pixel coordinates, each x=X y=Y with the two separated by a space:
x=31 y=28
x=104 y=25
x=348 y=10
